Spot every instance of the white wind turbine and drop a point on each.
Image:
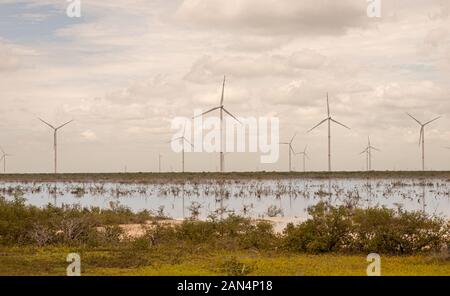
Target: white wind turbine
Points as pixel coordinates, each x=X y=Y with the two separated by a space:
x=55 y=142
x=368 y=152
x=291 y=150
x=4 y=156
x=222 y=109
x=305 y=156
x=183 y=141
x=422 y=136
x=329 y=119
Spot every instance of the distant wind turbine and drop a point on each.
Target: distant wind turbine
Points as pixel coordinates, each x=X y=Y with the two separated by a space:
x=55 y=142
x=222 y=109
x=305 y=156
x=159 y=162
x=422 y=136
x=329 y=119
x=183 y=141
x=4 y=156
x=291 y=150
x=368 y=152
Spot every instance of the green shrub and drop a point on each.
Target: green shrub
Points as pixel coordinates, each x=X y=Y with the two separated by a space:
x=398 y=232
x=233 y=267
x=260 y=236
x=68 y=225
x=380 y=230
x=328 y=230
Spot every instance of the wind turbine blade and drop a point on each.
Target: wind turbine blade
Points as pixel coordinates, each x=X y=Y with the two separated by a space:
x=421 y=135
x=306 y=147
x=184 y=129
x=204 y=113
x=335 y=121
x=433 y=120
x=319 y=124
x=376 y=149
x=184 y=139
x=63 y=125
x=328 y=106
x=51 y=126
x=226 y=111
x=174 y=140
x=223 y=91
x=293 y=138
x=364 y=151
x=2 y=150
x=2 y=158
x=414 y=118
x=292 y=149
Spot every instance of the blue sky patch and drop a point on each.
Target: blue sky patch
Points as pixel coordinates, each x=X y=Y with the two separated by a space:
x=24 y=23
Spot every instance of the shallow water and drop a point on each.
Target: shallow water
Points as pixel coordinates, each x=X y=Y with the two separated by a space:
x=252 y=198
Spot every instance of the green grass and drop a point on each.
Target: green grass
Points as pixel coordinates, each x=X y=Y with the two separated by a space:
x=51 y=261
x=181 y=177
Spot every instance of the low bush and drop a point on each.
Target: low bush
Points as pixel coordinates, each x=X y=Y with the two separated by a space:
x=329 y=229
x=71 y=226
x=233 y=267
x=380 y=230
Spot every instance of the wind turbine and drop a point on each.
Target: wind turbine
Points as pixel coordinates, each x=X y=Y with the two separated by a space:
x=368 y=152
x=291 y=150
x=329 y=119
x=422 y=136
x=305 y=156
x=183 y=141
x=55 y=142
x=4 y=156
x=222 y=109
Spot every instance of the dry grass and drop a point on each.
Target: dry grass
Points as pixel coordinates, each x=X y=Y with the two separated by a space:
x=51 y=261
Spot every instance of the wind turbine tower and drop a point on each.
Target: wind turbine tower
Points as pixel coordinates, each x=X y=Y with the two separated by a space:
x=329 y=119
x=368 y=152
x=422 y=136
x=55 y=141
x=222 y=109
x=305 y=156
x=291 y=150
x=183 y=141
x=4 y=157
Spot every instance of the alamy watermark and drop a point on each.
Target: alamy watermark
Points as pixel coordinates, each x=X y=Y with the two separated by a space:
x=74 y=8
x=374 y=268
x=374 y=8
x=74 y=268
x=253 y=135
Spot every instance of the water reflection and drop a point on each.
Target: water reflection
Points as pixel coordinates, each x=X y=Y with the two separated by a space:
x=252 y=198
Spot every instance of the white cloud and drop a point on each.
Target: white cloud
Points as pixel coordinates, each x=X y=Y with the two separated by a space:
x=307 y=59
x=89 y=136
x=295 y=17
x=9 y=58
x=208 y=68
x=130 y=66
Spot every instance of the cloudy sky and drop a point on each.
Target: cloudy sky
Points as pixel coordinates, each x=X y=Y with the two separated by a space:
x=126 y=68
